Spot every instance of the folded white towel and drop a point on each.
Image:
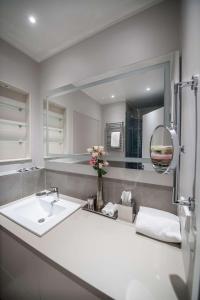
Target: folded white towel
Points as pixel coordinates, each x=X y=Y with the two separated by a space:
x=110 y=209
x=158 y=224
x=115 y=139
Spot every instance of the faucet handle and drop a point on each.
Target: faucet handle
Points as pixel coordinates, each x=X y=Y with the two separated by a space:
x=54 y=189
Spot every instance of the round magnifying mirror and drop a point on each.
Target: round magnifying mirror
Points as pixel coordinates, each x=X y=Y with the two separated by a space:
x=164 y=149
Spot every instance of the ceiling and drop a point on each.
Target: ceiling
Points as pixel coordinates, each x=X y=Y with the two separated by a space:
x=60 y=23
x=132 y=88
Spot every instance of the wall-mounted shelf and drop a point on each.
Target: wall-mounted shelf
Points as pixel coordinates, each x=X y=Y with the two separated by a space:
x=54 y=128
x=56 y=141
x=13 y=123
x=56 y=116
x=13 y=140
x=60 y=130
x=12 y=104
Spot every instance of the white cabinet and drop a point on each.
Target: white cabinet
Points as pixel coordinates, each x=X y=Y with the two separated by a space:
x=18 y=269
x=24 y=275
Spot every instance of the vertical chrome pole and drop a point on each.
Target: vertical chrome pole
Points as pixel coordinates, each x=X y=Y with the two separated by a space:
x=190 y=202
x=176 y=125
x=47 y=127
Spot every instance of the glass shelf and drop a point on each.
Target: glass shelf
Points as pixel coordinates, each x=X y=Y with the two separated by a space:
x=54 y=116
x=60 y=119
x=12 y=106
x=13 y=141
x=55 y=141
x=13 y=123
x=60 y=130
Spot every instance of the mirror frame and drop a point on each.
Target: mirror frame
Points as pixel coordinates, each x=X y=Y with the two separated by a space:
x=171 y=58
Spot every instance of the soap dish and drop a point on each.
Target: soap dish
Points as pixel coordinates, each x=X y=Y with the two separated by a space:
x=85 y=207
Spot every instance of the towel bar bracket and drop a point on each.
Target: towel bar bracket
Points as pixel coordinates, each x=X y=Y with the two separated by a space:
x=190 y=203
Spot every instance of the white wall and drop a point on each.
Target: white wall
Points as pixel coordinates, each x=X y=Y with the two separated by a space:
x=81 y=103
x=86 y=132
x=190 y=66
x=20 y=71
x=149 y=122
x=149 y=34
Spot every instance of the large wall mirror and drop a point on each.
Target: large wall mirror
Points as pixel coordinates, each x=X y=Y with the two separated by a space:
x=119 y=111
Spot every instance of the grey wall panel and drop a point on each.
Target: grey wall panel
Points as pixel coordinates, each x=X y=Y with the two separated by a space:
x=10 y=188
x=27 y=275
x=18 y=185
x=82 y=186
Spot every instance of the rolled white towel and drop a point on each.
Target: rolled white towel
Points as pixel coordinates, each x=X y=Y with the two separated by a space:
x=158 y=224
x=110 y=209
x=106 y=208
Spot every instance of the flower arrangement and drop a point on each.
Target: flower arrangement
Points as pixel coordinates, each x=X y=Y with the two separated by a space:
x=97 y=160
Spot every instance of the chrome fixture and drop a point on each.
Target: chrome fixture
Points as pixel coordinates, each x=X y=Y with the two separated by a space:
x=53 y=190
x=165 y=144
x=22 y=170
x=34 y=168
x=176 y=123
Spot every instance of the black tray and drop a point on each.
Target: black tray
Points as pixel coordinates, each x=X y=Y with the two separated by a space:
x=85 y=207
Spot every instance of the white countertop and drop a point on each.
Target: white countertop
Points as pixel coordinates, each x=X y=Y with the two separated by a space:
x=108 y=255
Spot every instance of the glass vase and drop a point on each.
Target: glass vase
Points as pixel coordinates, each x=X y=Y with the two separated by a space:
x=99 y=201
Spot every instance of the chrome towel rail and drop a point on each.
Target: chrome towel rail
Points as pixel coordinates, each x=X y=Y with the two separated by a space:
x=194 y=85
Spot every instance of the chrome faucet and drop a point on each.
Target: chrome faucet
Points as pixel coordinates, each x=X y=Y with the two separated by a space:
x=53 y=190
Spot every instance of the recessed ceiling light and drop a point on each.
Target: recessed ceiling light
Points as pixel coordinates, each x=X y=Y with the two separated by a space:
x=148 y=89
x=112 y=96
x=32 y=19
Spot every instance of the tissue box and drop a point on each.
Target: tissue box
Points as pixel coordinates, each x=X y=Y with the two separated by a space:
x=126 y=212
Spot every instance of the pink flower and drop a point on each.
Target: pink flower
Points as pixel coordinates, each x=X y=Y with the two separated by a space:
x=92 y=162
x=94 y=154
x=97 y=161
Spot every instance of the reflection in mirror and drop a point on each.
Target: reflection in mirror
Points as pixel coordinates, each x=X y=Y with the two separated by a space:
x=162 y=149
x=120 y=114
x=55 y=128
x=76 y=117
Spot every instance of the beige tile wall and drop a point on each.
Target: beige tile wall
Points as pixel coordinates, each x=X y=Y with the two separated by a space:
x=18 y=185
x=81 y=186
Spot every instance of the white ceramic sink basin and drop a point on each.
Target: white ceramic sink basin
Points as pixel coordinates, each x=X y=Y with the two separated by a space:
x=37 y=214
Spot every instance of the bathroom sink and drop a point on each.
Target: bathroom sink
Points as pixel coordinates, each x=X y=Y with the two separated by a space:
x=37 y=214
